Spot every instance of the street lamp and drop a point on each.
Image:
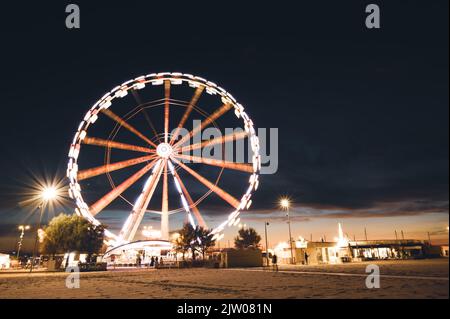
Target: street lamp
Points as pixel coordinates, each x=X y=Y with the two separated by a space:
x=47 y=195
x=22 y=229
x=285 y=204
x=267 y=243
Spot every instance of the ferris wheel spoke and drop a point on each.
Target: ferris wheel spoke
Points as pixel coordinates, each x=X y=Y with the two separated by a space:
x=188 y=111
x=192 y=205
x=166 y=110
x=112 y=144
x=165 y=205
x=216 y=189
x=117 y=191
x=130 y=128
x=205 y=123
x=144 y=111
x=137 y=214
x=99 y=170
x=219 y=163
x=218 y=140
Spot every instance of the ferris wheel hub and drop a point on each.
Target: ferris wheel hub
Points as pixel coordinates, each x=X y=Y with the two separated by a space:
x=164 y=150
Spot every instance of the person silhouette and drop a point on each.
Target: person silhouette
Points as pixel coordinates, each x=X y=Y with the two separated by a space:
x=275 y=262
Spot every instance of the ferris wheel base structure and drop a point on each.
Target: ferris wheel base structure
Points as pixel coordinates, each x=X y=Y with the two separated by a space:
x=151 y=247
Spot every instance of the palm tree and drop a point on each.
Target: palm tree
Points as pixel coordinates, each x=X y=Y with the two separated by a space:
x=248 y=237
x=180 y=246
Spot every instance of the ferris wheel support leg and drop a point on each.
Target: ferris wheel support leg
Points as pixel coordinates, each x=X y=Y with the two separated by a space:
x=165 y=206
x=134 y=220
x=188 y=197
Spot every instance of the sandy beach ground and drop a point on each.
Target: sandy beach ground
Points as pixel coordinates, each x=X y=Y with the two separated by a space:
x=399 y=279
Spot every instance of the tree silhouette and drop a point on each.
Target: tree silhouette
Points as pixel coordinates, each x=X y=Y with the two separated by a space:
x=204 y=240
x=196 y=239
x=186 y=240
x=247 y=237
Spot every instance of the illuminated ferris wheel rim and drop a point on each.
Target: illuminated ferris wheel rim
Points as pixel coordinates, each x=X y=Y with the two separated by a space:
x=165 y=149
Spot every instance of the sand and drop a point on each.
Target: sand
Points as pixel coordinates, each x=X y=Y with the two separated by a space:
x=399 y=279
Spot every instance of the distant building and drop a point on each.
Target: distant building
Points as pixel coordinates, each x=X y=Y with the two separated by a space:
x=343 y=250
x=322 y=253
x=231 y=257
x=390 y=249
x=5 y=262
x=314 y=253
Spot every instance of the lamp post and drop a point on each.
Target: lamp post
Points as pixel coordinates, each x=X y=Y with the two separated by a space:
x=267 y=243
x=22 y=229
x=48 y=194
x=285 y=205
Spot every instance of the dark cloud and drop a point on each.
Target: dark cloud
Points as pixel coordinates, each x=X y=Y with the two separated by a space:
x=379 y=210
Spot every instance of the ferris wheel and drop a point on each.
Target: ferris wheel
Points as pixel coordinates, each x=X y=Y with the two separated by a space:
x=141 y=129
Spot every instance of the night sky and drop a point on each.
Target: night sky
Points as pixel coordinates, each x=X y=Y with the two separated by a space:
x=362 y=114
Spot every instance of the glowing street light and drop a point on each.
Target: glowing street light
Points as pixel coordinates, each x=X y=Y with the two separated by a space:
x=22 y=229
x=285 y=204
x=47 y=195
